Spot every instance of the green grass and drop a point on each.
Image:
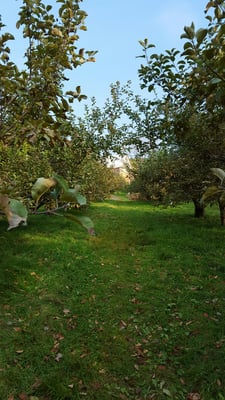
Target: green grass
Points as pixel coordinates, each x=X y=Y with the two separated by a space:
x=136 y=312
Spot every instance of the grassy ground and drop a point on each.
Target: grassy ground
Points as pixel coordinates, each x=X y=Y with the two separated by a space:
x=136 y=312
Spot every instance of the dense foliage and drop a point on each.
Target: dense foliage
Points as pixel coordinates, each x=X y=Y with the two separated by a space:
x=189 y=111
x=38 y=133
x=178 y=130
x=34 y=105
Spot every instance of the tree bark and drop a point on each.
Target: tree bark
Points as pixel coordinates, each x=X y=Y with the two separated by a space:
x=199 y=209
x=222 y=213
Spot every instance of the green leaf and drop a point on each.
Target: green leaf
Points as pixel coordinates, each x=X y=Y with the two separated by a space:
x=200 y=35
x=82 y=201
x=84 y=221
x=188 y=45
x=209 y=53
x=41 y=186
x=214 y=81
x=55 y=192
x=209 y=4
x=62 y=182
x=145 y=44
x=221 y=31
x=189 y=32
x=78 y=89
x=18 y=208
x=72 y=196
x=65 y=104
x=15 y=211
x=188 y=52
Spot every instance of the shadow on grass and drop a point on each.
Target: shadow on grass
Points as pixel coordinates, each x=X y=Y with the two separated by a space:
x=44 y=242
x=140 y=302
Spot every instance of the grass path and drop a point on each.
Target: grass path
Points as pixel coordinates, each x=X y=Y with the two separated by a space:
x=136 y=312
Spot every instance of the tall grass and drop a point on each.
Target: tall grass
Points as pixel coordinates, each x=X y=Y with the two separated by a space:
x=136 y=312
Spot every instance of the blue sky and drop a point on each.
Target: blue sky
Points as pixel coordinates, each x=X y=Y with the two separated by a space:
x=114 y=28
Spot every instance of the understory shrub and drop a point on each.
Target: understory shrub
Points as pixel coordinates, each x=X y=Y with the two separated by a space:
x=20 y=167
x=97 y=180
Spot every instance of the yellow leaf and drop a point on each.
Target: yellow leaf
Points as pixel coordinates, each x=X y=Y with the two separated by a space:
x=57 y=32
x=35 y=275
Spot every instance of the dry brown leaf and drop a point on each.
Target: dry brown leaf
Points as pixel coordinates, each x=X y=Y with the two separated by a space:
x=35 y=275
x=102 y=371
x=58 y=357
x=23 y=396
x=123 y=324
x=193 y=396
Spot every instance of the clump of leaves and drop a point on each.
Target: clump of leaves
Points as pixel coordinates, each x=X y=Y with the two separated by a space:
x=52 y=196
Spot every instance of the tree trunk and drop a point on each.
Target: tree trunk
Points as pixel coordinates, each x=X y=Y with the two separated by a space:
x=222 y=213
x=199 y=209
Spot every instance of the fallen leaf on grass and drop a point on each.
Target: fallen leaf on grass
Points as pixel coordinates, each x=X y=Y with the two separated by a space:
x=102 y=371
x=166 y=392
x=17 y=329
x=122 y=396
x=193 y=396
x=23 y=396
x=189 y=323
x=57 y=338
x=35 y=275
x=96 y=385
x=71 y=324
x=161 y=367
x=58 y=357
x=84 y=355
x=137 y=288
x=36 y=384
x=123 y=324
x=134 y=300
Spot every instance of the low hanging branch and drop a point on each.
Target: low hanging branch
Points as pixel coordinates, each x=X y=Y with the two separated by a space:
x=58 y=193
